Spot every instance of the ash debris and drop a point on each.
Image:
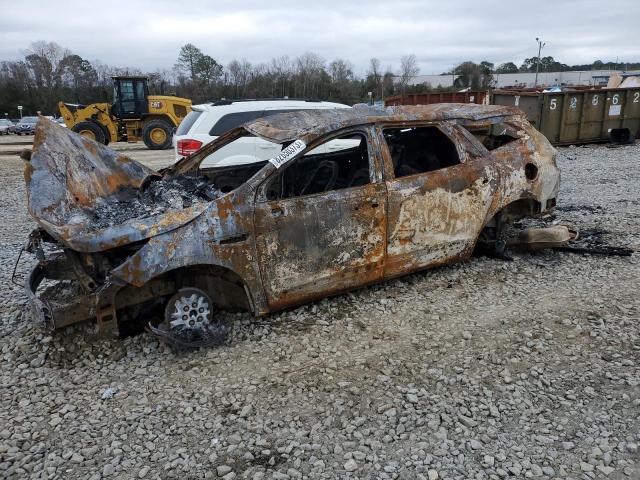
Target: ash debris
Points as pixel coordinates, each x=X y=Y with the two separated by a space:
x=157 y=197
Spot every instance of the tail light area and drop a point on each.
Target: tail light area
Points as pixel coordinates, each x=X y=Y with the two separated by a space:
x=188 y=146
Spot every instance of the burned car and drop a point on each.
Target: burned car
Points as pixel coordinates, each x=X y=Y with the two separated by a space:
x=353 y=197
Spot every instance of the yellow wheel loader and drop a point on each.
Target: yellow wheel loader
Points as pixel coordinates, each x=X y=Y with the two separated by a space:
x=134 y=115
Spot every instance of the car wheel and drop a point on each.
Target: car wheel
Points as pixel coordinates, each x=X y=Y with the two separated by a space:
x=157 y=134
x=89 y=130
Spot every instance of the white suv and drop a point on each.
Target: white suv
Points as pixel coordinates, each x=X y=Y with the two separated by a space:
x=208 y=121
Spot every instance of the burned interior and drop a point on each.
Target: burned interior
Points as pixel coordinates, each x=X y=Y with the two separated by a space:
x=419 y=150
x=369 y=194
x=331 y=166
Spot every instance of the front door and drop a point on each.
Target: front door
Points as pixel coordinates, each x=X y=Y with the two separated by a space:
x=320 y=223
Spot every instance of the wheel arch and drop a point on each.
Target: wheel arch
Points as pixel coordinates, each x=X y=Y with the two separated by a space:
x=507 y=214
x=227 y=289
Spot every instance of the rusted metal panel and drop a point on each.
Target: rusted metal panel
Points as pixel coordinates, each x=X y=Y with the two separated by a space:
x=477 y=96
x=280 y=252
x=313 y=247
x=578 y=116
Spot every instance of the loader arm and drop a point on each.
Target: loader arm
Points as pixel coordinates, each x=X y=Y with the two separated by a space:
x=96 y=112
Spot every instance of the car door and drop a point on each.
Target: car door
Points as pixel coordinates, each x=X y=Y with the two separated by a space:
x=318 y=240
x=438 y=196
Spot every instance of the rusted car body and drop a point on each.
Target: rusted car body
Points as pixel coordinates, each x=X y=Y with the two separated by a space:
x=414 y=187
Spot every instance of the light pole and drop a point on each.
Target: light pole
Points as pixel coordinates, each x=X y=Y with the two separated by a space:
x=540 y=46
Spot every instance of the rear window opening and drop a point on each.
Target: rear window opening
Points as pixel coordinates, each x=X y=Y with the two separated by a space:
x=188 y=122
x=494 y=135
x=417 y=150
x=233 y=120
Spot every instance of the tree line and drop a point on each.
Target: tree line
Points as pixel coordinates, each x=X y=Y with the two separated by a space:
x=50 y=73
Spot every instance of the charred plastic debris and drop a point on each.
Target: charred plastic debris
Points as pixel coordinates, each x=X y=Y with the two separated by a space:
x=124 y=244
x=156 y=197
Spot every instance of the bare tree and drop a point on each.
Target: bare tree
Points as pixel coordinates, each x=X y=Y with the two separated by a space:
x=281 y=71
x=309 y=67
x=408 y=68
x=239 y=74
x=374 y=75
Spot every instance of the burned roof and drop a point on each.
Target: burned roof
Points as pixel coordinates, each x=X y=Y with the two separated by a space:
x=285 y=127
x=311 y=124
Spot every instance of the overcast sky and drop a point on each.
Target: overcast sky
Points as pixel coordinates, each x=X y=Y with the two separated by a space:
x=148 y=34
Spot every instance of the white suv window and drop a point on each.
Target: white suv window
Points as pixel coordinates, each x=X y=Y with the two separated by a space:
x=233 y=120
x=188 y=121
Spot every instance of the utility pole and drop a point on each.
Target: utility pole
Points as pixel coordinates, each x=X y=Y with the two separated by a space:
x=540 y=46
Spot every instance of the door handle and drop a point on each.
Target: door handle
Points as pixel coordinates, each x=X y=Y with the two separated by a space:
x=264 y=147
x=277 y=211
x=373 y=202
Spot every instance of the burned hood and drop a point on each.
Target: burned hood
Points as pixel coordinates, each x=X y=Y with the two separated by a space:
x=91 y=198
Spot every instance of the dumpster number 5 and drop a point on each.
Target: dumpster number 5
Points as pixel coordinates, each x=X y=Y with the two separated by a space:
x=553 y=104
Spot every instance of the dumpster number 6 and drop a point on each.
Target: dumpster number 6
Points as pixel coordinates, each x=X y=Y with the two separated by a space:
x=553 y=104
x=615 y=100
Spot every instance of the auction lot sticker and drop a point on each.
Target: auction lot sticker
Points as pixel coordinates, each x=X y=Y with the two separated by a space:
x=288 y=153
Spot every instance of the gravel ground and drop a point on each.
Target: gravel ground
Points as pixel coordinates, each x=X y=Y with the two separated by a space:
x=481 y=370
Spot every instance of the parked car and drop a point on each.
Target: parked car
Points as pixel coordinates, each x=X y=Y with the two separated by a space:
x=207 y=122
x=419 y=187
x=26 y=125
x=6 y=126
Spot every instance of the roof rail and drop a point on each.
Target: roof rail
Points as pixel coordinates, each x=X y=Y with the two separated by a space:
x=224 y=101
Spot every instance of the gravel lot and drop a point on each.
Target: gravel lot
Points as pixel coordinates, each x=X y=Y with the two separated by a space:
x=482 y=370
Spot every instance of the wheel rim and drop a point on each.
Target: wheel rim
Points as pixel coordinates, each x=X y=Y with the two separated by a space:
x=88 y=133
x=158 y=136
x=189 y=310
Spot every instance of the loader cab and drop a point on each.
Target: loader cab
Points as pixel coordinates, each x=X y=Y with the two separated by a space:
x=130 y=97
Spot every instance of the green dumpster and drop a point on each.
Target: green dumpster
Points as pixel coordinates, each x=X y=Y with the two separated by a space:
x=579 y=116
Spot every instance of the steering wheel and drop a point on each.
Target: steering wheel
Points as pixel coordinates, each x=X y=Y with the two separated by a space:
x=333 y=166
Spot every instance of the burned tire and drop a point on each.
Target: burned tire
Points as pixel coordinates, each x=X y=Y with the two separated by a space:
x=190 y=321
x=157 y=134
x=90 y=130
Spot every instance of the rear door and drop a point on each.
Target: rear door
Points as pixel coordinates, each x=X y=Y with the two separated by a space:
x=438 y=197
x=320 y=223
